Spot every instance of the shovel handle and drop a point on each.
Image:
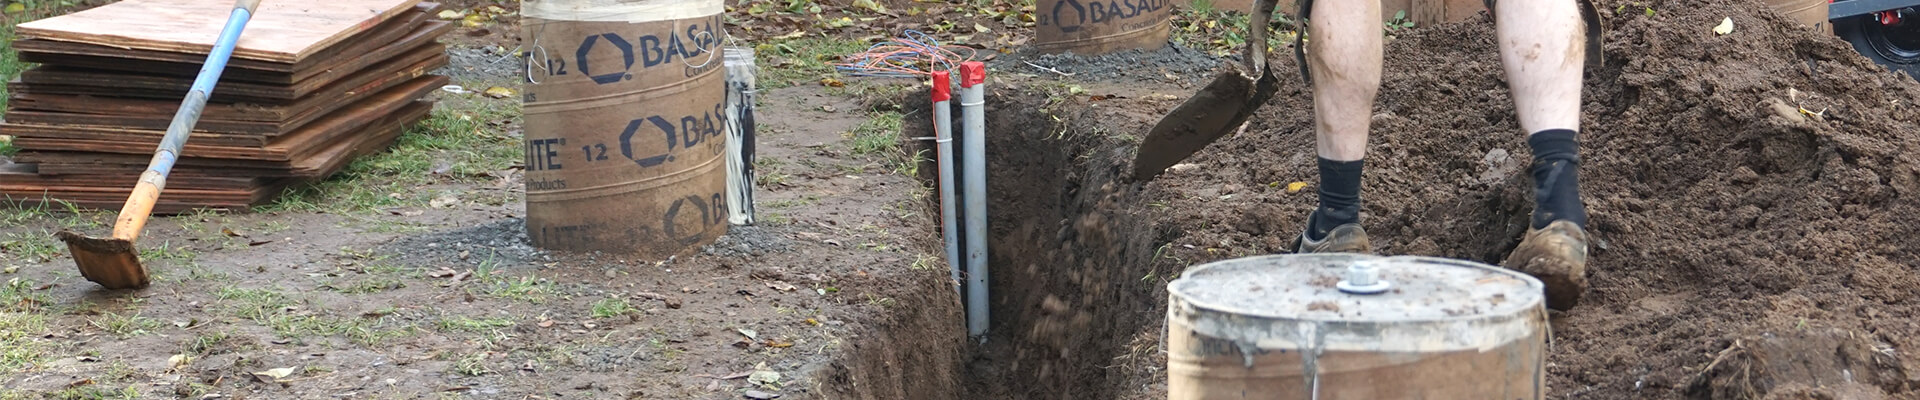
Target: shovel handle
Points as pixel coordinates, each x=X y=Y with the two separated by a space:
x=1257 y=48
x=139 y=206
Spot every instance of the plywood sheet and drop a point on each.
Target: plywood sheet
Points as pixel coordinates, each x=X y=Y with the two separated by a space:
x=65 y=80
x=318 y=165
x=75 y=115
x=284 y=31
x=378 y=45
x=285 y=148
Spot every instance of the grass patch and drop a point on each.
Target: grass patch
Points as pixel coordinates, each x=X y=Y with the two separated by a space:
x=6 y=142
x=125 y=326
x=36 y=246
x=92 y=392
x=612 y=307
x=21 y=347
x=167 y=251
x=466 y=324
x=17 y=211
x=212 y=343
x=462 y=145
x=879 y=134
x=370 y=336
x=278 y=312
x=372 y=285
x=791 y=62
x=18 y=296
x=472 y=365
x=197 y=272
x=525 y=288
x=254 y=304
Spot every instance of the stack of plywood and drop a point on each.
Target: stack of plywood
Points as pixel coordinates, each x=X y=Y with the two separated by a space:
x=311 y=85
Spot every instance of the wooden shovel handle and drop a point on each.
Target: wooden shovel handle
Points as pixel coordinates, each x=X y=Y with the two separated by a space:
x=133 y=215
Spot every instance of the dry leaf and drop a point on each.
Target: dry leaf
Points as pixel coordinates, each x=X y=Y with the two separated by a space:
x=177 y=361
x=499 y=92
x=832 y=82
x=781 y=286
x=749 y=333
x=274 y=374
x=443 y=201
x=779 y=344
x=871 y=5
x=230 y=232
x=1296 y=187
x=451 y=14
x=763 y=377
x=546 y=324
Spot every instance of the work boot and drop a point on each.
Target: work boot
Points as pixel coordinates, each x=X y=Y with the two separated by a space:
x=1347 y=238
x=1557 y=255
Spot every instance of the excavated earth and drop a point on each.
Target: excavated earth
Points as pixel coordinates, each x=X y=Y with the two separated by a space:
x=1752 y=198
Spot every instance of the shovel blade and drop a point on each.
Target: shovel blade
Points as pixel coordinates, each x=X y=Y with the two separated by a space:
x=112 y=263
x=1219 y=108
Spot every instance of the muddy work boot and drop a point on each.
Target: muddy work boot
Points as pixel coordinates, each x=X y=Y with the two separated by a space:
x=1557 y=255
x=1347 y=238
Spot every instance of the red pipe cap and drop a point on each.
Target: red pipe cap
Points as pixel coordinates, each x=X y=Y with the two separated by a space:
x=942 y=86
x=972 y=73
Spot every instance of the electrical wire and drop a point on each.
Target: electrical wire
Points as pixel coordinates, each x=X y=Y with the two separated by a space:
x=913 y=55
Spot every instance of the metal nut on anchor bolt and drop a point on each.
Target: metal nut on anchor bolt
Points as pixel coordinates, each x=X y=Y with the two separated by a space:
x=1363 y=278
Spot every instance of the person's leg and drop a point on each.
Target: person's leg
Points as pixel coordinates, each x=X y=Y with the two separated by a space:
x=1542 y=45
x=1344 y=54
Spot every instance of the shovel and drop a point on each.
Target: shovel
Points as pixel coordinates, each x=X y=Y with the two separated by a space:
x=112 y=262
x=1220 y=107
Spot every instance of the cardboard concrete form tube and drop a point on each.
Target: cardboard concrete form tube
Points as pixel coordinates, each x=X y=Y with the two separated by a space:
x=1812 y=13
x=625 y=117
x=1093 y=27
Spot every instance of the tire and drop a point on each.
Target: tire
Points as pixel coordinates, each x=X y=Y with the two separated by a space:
x=1897 y=47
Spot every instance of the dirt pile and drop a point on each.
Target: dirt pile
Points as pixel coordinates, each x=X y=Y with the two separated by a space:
x=1754 y=185
x=1174 y=64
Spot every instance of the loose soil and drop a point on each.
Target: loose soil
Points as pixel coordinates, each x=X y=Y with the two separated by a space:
x=1725 y=217
x=1745 y=249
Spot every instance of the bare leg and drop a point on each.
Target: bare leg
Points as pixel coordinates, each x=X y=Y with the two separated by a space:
x=1543 y=48
x=1541 y=45
x=1345 y=53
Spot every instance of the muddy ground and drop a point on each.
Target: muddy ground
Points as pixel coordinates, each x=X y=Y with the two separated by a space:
x=436 y=293
x=1746 y=249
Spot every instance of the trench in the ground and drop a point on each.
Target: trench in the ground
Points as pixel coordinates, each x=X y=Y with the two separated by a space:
x=1070 y=248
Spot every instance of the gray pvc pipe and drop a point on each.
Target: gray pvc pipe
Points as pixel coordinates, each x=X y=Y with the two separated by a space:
x=943 y=143
x=974 y=151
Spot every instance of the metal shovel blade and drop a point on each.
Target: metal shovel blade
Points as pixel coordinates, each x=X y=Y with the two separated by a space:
x=112 y=263
x=1219 y=108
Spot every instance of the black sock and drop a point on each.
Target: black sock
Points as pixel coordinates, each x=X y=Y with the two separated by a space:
x=1556 y=178
x=1339 y=197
